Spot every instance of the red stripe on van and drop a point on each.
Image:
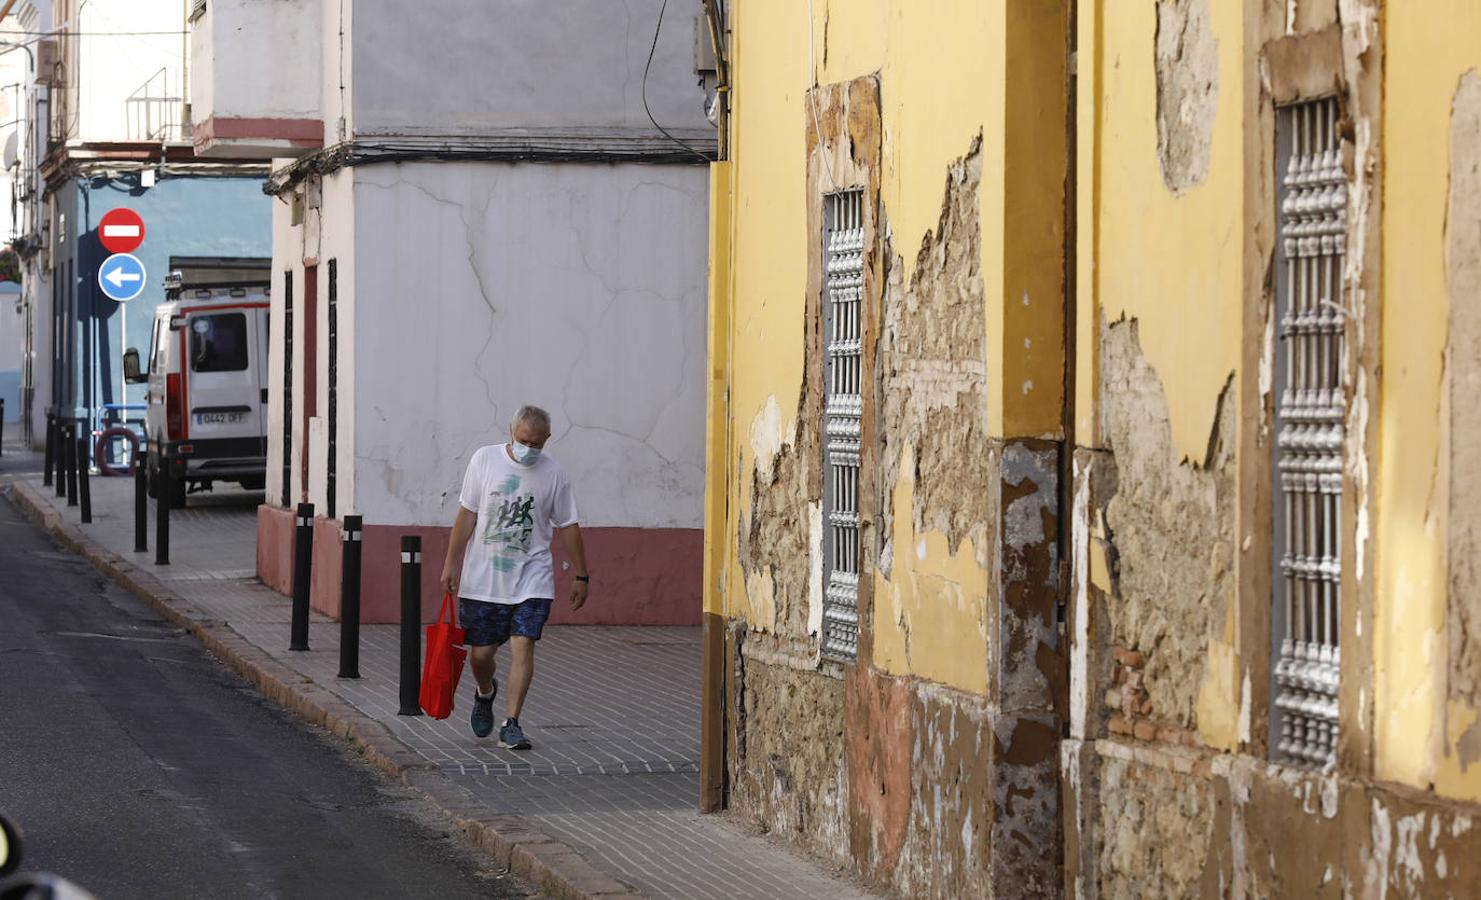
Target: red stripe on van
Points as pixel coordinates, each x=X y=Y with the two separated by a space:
x=184 y=390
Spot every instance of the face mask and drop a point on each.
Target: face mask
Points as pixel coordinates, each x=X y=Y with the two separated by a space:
x=522 y=454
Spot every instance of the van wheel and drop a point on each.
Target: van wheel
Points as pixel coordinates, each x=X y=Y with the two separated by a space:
x=177 y=496
x=255 y=483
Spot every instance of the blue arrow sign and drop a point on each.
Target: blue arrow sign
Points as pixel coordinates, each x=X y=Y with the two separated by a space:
x=121 y=276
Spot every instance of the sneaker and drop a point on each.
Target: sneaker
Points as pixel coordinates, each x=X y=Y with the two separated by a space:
x=482 y=718
x=511 y=737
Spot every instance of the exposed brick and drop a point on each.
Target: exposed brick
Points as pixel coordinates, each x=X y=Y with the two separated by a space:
x=1144 y=731
x=1127 y=657
x=1119 y=725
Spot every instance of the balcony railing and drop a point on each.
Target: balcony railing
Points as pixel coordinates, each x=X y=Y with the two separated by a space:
x=154 y=115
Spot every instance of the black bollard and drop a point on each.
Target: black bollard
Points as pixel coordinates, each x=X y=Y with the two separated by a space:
x=69 y=447
x=349 y=601
x=141 y=502
x=303 y=557
x=411 y=626
x=59 y=432
x=163 y=492
x=51 y=427
x=2 y=426
x=84 y=489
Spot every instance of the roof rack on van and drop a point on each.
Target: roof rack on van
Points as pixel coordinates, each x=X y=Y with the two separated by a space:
x=207 y=274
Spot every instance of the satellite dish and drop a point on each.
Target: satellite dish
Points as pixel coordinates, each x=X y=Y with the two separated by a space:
x=12 y=150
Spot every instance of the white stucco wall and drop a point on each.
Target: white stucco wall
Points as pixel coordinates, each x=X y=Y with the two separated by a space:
x=257 y=60
x=12 y=336
x=326 y=233
x=36 y=288
x=469 y=66
x=580 y=288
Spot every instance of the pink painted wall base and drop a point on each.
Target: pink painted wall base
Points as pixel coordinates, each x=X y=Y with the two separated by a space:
x=640 y=576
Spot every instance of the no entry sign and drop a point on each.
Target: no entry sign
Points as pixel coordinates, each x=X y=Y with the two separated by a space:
x=121 y=230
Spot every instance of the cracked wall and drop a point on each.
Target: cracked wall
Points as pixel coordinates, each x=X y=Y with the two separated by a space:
x=576 y=287
x=1187 y=59
x=1170 y=523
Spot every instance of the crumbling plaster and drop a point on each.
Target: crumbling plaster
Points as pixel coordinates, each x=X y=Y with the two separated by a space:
x=1188 y=824
x=1463 y=373
x=1171 y=525
x=918 y=787
x=1187 y=91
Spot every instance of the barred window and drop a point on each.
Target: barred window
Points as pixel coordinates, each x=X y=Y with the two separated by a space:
x=1309 y=428
x=843 y=280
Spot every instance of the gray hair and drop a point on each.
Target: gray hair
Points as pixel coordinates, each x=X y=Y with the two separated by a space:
x=531 y=415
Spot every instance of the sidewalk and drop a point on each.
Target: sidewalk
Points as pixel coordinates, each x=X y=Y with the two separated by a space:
x=604 y=805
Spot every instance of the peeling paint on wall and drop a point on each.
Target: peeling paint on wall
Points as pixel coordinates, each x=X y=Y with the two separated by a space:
x=1187 y=58
x=932 y=370
x=788 y=774
x=1172 y=525
x=1463 y=370
x=1156 y=831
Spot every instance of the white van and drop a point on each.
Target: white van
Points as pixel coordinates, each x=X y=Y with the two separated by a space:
x=207 y=377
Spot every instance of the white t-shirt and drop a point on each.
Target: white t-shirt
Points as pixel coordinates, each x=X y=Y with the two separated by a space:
x=508 y=557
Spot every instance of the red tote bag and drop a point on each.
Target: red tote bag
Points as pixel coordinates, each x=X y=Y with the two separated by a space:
x=443 y=663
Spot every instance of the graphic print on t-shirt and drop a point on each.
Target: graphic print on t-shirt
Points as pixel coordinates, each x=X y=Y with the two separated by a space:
x=519 y=509
x=510 y=524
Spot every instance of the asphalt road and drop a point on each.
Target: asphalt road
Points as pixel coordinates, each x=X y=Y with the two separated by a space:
x=138 y=766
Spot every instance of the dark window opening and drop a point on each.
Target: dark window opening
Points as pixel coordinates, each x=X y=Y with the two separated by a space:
x=218 y=343
x=287 y=387
x=329 y=486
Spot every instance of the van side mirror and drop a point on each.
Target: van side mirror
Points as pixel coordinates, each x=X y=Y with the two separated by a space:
x=131 y=372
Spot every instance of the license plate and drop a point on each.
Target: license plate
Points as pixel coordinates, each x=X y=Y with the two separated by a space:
x=231 y=418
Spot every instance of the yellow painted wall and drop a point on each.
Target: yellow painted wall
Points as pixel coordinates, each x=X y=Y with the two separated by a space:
x=1171 y=262
x=1415 y=727
x=943 y=70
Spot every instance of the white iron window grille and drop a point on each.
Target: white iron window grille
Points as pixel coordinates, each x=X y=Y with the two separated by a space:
x=843 y=292
x=1309 y=441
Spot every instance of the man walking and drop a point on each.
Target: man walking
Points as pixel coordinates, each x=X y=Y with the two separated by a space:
x=513 y=497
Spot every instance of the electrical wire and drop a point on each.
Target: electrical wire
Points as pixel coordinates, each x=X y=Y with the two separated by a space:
x=656 y=31
x=36 y=37
x=47 y=34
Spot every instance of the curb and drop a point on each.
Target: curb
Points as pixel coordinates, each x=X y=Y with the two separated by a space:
x=513 y=842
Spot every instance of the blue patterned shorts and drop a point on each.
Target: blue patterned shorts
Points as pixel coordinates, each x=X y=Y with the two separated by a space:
x=494 y=623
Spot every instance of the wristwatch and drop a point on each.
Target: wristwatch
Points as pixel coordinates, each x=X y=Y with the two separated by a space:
x=586 y=578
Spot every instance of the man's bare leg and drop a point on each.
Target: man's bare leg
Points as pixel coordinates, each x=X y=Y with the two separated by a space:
x=521 y=670
x=481 y=660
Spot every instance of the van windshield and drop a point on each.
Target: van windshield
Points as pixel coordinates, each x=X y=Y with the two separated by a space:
x=218 y=342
